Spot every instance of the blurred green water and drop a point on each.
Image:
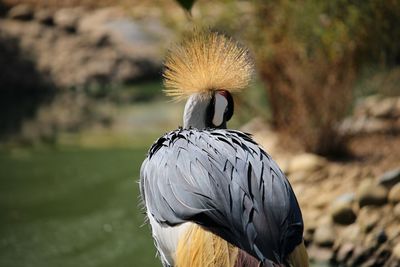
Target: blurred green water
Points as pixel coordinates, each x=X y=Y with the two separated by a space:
x=72 y=207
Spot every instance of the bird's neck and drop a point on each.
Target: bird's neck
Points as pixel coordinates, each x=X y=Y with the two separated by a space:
x=194 y=115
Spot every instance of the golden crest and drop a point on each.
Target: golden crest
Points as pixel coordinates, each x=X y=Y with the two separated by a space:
x=204 y=62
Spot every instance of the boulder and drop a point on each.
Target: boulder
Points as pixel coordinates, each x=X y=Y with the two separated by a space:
x=78 y=60
x=306 y=163
x=374 y=114
x=44 y=16
x=377 y=257
x=369 y=193
x=367 y=218
x=21 y=12
x=319 y=254
x=344 y=252
x=377 y=106
x=360 y=255
x=385 y=108
x=351 y=234
x=324 y=235
x=381 y=236
x=68 y=18
x=394 y=194
x=390 y=178
x=342 y=211
x=396 y=211
x=396 y=251
x=364 y=105
x=393 y=230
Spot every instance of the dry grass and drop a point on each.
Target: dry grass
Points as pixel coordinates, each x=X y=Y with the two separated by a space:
x=309 y=96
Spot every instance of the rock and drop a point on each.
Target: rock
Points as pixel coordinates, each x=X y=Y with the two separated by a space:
x=68 y=18
x=342 y=211
x=364 y=105
x=377 y=106
x=310 y=220
x=93 y=25
x=324 y=220
x=306 y=163
x=374 y=114
x=359 y=256
x=384 y=108
x=390 y=178
x=393 y=231
x=343 y=214
x=394 y=194
x=320 y=254
x=297 y=176
x=382 y=255
x=379 y=257
x=392 y=262
x=322 y=200
x=381 y=236
x=367 y=218
x=44 y=16
x=375 y=238
x=55 y=56
x=255 y=125
x=324 y=236
x=96 y=20
x=113 y=25
x=396 y=211
x=308 y=238
x=21 y=12
x=344 y=252
x=369 y=193
x=371 y=262
x=396 y=251
x=351 y=234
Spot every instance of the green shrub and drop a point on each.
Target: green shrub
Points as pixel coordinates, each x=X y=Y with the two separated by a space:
x=308 y=53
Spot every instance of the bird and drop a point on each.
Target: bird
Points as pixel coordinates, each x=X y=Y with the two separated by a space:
x=212 y=196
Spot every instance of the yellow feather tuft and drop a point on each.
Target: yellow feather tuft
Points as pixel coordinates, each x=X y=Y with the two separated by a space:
x=200 y=248
x=204 y=62
x=299 y=256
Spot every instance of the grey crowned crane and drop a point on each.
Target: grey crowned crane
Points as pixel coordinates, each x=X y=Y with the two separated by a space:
x=213 y=196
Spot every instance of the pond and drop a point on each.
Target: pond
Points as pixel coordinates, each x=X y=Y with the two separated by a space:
x=72 y=207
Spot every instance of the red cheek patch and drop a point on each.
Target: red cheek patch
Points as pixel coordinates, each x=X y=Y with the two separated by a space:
x=224 y=93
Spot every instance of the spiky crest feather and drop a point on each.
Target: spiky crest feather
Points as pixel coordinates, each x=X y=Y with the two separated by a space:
x=204 y=62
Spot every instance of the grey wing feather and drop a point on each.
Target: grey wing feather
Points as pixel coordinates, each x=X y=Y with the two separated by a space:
x=223 y=181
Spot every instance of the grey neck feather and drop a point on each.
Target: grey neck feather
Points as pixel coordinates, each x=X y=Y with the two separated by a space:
x=195 y=112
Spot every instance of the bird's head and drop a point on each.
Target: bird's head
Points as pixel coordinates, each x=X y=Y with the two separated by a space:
x=206 y=68
x=211 y=110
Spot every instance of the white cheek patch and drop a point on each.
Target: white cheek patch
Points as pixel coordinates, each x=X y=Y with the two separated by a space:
x=219 y=109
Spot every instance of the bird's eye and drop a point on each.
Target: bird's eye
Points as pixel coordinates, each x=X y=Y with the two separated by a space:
x=229 y=107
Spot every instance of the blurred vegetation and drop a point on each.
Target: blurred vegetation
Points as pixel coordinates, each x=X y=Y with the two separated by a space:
x=309 y=55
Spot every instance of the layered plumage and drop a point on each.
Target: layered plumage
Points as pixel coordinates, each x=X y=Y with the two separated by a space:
x=214 y=198
x=223 y=181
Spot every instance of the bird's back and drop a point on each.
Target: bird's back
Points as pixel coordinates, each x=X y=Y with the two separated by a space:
x=225 y=183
